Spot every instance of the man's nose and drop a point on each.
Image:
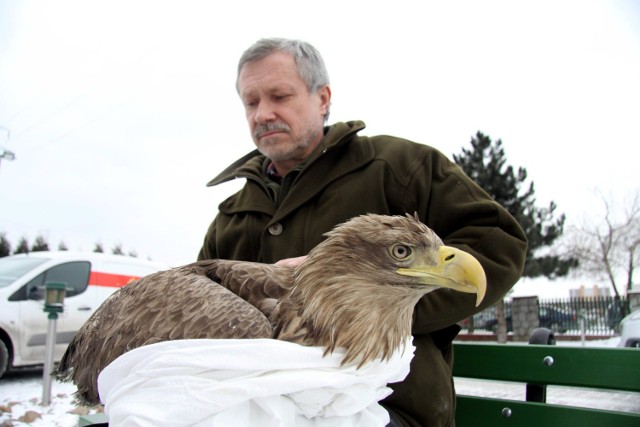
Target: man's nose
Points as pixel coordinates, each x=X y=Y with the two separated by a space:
x=265 y=112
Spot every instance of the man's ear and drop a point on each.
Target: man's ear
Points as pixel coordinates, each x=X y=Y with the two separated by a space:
x=325 y=98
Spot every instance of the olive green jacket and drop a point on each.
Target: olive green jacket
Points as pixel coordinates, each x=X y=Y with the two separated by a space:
x=350 y=175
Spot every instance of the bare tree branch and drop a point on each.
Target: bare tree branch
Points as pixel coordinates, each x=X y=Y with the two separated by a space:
x=609 y=248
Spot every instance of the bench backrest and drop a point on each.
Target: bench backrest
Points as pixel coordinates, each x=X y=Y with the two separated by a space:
x=541 y=365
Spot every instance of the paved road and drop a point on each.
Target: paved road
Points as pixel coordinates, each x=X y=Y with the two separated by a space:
x=587 y=398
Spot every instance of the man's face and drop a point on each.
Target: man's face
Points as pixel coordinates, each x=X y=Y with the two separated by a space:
x=285 y=120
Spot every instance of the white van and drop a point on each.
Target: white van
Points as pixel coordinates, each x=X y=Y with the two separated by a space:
x=90 y=278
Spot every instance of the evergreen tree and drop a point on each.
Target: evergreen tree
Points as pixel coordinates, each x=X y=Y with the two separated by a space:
x=23 y=246
x=5 y=245
x=486 y=164
x=117 y=250
x=40 y=245
x=98 y=248
x=62 y=247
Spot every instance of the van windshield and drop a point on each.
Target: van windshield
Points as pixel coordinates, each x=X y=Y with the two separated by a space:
x=12 y=268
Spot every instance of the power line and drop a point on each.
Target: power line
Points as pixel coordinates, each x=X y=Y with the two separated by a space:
x=50 y=116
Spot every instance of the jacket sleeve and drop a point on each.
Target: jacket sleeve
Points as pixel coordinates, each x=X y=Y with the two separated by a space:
x=463 y=215
x=466 y=217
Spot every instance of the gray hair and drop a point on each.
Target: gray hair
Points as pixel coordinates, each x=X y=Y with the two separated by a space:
x=311 y=66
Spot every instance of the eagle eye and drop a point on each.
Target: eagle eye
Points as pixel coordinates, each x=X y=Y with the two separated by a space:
x=401 y=251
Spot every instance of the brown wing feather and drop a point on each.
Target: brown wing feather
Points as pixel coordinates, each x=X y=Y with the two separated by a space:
x=261 y=285
x=190 y=302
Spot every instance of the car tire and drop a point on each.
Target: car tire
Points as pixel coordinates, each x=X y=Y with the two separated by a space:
x=542 y=336
x=4 y=358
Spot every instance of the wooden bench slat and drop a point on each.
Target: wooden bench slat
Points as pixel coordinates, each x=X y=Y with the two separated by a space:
x=474 y=411
x=615 y=368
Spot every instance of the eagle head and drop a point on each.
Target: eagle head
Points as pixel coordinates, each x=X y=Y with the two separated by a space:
x=369 y=274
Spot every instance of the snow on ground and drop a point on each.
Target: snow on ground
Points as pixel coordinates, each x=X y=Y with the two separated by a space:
x=21 y=402
x=21 y=396
x=608 y=342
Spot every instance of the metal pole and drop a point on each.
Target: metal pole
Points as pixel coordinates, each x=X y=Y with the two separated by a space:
x=583 y=327
x=48 y=361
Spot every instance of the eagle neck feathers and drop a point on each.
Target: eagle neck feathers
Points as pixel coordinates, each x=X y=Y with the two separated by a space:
x=322 y=311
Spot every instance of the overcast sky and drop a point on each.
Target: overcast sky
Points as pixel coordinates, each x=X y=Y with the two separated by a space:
x=119 y=112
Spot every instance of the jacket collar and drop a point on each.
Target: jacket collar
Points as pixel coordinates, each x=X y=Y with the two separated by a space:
x=249 y=166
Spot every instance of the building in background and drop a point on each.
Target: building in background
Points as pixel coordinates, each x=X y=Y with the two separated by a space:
x=590 y=292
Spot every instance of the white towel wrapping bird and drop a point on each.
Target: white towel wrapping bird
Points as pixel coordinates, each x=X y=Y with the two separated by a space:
x=240 y=382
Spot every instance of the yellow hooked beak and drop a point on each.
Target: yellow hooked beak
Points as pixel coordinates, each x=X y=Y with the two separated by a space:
x=454 y=269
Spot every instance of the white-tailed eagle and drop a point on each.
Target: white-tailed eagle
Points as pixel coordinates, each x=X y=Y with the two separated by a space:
x=356 y=290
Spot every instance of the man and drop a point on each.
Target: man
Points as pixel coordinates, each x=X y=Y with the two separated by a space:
x=304 y=178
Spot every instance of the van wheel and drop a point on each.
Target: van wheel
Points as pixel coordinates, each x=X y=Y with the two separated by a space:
x=4 y=358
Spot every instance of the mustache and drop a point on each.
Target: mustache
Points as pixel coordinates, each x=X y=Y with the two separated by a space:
x=270 y=127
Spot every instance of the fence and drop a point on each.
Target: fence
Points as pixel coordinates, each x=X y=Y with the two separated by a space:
x=602 y=315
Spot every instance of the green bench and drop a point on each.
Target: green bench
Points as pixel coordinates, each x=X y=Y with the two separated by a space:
x=536 y=366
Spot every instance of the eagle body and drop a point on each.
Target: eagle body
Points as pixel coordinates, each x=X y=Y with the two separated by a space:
x=356 y=290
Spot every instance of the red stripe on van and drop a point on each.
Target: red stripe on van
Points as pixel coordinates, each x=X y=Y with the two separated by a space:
x=110 y=280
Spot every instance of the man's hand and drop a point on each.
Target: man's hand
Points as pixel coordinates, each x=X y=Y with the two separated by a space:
x=291 y=262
